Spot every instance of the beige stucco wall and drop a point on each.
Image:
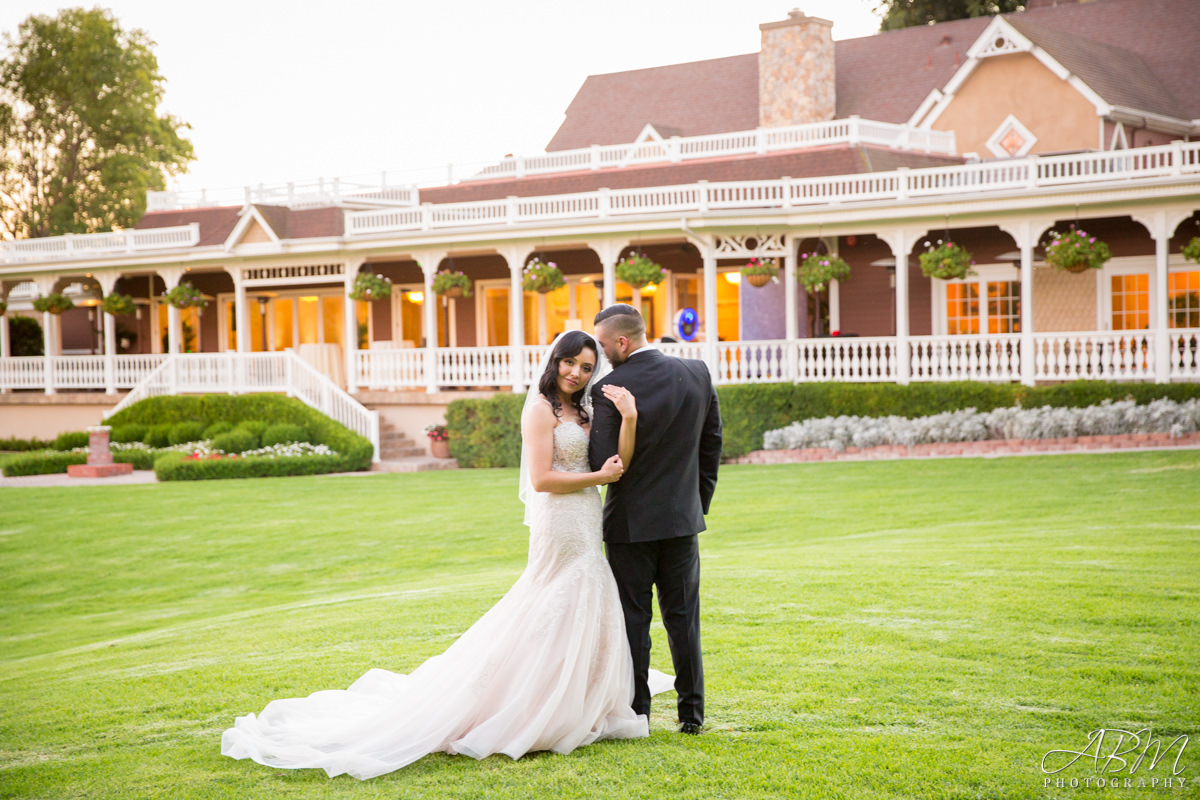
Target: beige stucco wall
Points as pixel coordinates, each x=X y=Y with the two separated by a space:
x=1018 y=84
x=254 y=233
x=24 y=416
x=1063 y=301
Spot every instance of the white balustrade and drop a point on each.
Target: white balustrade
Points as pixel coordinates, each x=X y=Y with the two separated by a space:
x=751 y=362
x=1027 y=174
x=59 y=248
x=1184 y=352
x=22 y=372
x=74 y=372
x=994 y=357
x=1116 y=355
x=533 y=355
x=851 y=359
x=390 y=370
x=78 y=372
x=474 y=366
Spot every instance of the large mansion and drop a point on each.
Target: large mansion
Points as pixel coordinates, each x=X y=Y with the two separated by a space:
x=992 y=132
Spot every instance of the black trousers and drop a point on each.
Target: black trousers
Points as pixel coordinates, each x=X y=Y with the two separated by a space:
x=673 y=566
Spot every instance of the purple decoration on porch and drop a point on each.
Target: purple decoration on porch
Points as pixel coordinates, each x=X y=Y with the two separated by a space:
x=763 y=311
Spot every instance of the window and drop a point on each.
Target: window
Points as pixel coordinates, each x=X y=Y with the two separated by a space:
x=1130 y=302
x=966 y=314
x=1183 y=299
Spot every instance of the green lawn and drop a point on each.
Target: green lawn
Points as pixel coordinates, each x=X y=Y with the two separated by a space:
x=881 y=629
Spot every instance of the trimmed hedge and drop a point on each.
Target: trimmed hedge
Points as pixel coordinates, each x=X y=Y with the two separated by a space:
x=487 y=433
x=284 y=433
x=70 y=440
x=185 y=432
x=128 y=433
x=235 y=441
x=354 y=451
x=23 y=445
x=51 y=462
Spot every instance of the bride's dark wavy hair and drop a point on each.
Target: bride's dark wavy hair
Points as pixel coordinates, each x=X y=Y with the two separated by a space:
x=568 y=344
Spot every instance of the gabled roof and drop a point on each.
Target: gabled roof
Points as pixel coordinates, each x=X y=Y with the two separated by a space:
x=218 y=225
x=1140 y=54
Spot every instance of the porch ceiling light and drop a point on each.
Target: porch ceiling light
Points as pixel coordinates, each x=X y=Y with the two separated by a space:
x=90 y=298
x=733 y=277
x=415 y=297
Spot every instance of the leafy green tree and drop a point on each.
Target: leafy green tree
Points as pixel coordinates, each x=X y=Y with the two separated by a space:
x=907 y=13
x=81 y=137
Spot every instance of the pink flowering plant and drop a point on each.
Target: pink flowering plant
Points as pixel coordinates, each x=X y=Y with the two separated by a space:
x=185 y=296
x=947 y=261
x=542 y=276
x=447 y=279
x=370 y=286
x=760 y=266
x=437 y=433
x=1076 y=251
x=639 y=271
x=818 y=269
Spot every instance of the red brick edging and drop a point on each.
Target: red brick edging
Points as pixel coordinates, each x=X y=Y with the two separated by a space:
x=991 y=447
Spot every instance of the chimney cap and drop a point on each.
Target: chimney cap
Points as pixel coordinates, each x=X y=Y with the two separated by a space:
x=796 y=17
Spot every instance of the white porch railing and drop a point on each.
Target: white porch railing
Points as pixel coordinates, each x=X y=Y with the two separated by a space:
x=58 y=248
x=236 y=373
x=317 y=193
x=1027 y=175
x=75 y=372
x=995 y=357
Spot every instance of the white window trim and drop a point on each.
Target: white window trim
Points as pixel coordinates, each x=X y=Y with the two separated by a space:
x=984 y=274
x=1134 y=265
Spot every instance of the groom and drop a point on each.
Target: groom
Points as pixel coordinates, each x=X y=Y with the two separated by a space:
x=652 y=515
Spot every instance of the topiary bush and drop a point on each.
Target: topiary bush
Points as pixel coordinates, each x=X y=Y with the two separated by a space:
x=69 y=440
x=283 y=433
x=185 y=432
x=217 y=428
x=128 y=433
x=255 y=427
x=486 y=433
x=158 y=435
x=235 y=441
x=353 y=451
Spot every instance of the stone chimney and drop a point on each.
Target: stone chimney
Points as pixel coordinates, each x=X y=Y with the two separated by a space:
x=795 y=71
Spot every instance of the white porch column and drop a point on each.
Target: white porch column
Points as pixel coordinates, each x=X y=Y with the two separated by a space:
x=1161 y=224
x=710 y=310
x=1025 y=234
x=791 y=318
x=45 y=285
x=5 y=348
x=608 y=250
x=171 y=277
x=900 y=240
x=108 y=281
x=515 y=256
x=429 y=262
x=350 y=326
x=241 y=314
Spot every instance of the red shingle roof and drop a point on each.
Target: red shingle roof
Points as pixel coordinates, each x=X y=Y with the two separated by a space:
x=217 y=223
x=1147 y=59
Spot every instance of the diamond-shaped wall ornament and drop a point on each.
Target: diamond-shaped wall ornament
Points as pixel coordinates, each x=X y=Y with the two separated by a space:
x=1011 y=139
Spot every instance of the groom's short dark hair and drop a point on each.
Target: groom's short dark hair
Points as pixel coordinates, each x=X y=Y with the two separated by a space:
x=623 y=320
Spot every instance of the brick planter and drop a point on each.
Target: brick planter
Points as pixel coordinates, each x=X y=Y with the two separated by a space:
x=99 y=461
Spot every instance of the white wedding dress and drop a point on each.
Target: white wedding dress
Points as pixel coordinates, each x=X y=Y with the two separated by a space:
x=547 y=668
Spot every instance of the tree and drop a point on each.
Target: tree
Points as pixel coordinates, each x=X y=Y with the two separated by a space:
x=81 y=138
x=907 y=13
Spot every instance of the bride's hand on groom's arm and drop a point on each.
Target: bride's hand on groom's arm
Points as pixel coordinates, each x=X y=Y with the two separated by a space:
x=623 y=399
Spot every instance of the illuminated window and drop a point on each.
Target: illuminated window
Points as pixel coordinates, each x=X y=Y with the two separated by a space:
x=1001 y=313
x=1183 y=299
x=962 y=308
x=1130 y=302
x=1004 y=307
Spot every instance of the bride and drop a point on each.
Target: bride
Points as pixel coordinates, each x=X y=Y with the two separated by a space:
x=547 y=668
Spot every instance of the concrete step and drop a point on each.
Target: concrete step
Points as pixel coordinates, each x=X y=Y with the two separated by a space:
x=414 y=464
x=391 y=453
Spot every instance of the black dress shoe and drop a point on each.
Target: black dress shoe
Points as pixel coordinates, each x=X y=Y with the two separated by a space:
x=691 y=728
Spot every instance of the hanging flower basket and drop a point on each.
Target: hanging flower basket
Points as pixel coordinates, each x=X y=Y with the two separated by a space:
x=185 y=296
x=1076 y=251
x=543 y=277
x=760 y=273
x=119 y=305
x=451 y=284
x=1191 y=250
x=639 y=271
x=55 y=303
x=946 y=261
x=369 y=287
x=818 y=269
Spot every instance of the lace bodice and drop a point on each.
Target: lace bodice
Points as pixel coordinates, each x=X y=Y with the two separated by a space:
x=570 y=448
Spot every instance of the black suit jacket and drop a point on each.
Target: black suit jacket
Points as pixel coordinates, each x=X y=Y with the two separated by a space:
x=666 y=489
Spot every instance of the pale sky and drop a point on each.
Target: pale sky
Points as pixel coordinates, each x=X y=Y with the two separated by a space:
x=277 y=91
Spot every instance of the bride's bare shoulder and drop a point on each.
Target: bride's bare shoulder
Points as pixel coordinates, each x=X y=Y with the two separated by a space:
x=540 y=414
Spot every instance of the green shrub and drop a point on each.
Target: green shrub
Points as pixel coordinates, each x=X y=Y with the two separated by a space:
x=354 y=451
x=46 y=462
x=70 y=440
x=486 y=433
x=140 y=459
x=128 y=433
x=235 y=441
x=23 y=445
x=185 y=432
x=158 y=435
x=176 y=467
x=217 y=428
x=749 y=411
x=283 y=433
x=256 y=427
